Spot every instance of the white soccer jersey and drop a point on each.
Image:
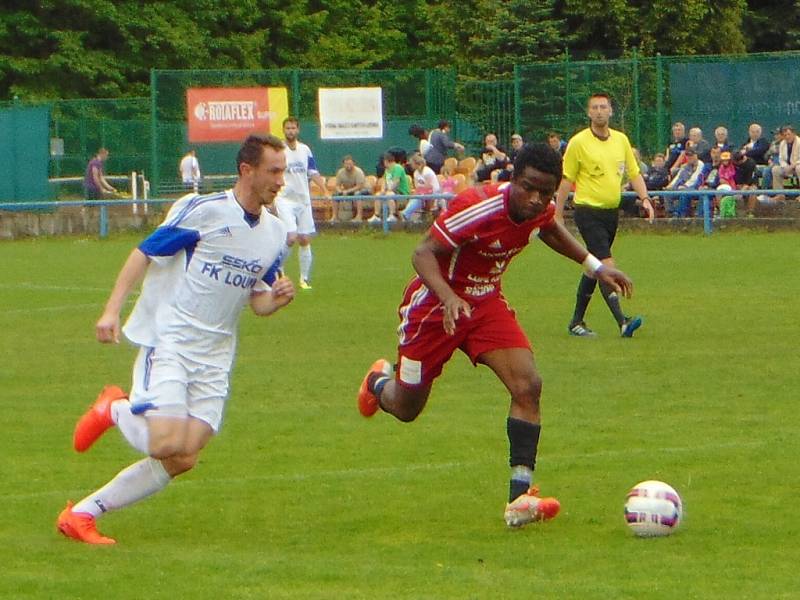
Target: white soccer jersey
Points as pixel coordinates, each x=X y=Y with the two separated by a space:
x=207 y=258
x=190 y=169
x=300 y=165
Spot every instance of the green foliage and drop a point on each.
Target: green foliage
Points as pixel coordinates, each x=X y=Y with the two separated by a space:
x=99 y=48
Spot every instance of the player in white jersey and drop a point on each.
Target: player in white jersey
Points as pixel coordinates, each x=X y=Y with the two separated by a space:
x=189 y=170
x=293 y=203
x=210 y=257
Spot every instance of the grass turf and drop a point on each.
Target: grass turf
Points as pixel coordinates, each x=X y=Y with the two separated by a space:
x=300 y=497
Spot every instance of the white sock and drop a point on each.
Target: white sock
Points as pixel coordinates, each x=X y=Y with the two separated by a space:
x=132 y=484
x=133 y=427
x=304 y=252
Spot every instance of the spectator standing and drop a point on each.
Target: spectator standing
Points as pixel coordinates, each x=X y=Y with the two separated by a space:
x=596 y=161
x=493 y=158
x=189 y=171
x=351 y=181
x=95 y=185
x=440 y=145
x=425 y=182
x=293 y=203
x=677 y=145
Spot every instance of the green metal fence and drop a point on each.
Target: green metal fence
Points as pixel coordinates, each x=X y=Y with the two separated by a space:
x=149 y=134
x=650 y=93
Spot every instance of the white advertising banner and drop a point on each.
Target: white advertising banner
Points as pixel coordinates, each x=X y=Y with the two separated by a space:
x=350 y=113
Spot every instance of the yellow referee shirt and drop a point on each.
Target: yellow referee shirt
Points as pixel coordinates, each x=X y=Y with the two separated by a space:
x=598 y=167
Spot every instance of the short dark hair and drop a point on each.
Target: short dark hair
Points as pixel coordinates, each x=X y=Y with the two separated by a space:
x=347 y=157
x=539 y=156
x=599 y=95
x=252 y=149
x=786 y=128
x=390 y=156
x=444 y=123
x=290 y=120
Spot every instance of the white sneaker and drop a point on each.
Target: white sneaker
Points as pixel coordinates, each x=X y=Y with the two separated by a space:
x=528 y=508
x=374 y=219
x=391 y=219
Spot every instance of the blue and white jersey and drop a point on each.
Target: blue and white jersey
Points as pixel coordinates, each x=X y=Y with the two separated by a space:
x=207 y=258
x=300 y=165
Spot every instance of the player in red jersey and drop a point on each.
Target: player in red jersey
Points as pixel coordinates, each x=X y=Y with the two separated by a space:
x=456 y=302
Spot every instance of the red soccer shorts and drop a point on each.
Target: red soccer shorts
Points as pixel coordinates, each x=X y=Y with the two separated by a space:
x=424 y=347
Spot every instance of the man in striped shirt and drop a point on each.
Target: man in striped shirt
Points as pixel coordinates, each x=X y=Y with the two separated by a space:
x=455 y=301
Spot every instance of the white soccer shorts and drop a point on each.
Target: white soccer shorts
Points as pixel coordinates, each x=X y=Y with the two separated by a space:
x=298 y=217
x=168 y=385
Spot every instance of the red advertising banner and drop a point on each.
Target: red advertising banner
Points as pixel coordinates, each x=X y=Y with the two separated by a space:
x=231 y=114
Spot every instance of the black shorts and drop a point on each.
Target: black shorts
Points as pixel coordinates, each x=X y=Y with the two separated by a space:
x=598 y=227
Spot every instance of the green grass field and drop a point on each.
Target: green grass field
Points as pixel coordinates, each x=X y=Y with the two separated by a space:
x=300 y=497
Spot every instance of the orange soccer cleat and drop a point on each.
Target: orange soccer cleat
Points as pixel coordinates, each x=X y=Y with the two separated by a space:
x=81 y=527
x=367 y=401
x=529 y=508
x=97 y=419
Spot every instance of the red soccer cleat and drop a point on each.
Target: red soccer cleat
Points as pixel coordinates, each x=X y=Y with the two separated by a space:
x=367 y=401
x=81 y=527
x=529 y=508
x=97 y=419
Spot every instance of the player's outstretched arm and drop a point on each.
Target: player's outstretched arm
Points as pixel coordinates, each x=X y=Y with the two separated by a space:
x=427 y=266
x=266 y=303
x=132 y=272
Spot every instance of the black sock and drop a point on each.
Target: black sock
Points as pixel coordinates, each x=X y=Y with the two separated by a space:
x=612 y=299
x=585 y=290
x=523 y=438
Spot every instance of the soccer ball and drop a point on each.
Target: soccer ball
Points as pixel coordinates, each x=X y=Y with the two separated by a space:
x=653 y=509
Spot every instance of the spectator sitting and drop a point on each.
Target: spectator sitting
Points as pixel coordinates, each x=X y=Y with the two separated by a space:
x=516 y=145
x=688 y=177
x=721 y=176
x=556 y=143
x=788 y=160
x=657 y=176
x=746 y=178
x=492 y=158
x=756 y=145
x=677 y=145
x=447 y=185
x=772 y=159
x=351 y=181
x=440 y=143
x=701 y=147
x=425 y=182
x=721 y=140
x=394 y=182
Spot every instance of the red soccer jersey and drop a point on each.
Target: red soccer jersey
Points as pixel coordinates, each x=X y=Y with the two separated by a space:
x=484 y=239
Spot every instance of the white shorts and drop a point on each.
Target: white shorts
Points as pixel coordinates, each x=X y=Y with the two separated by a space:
x=298 y=217
x=168 y=385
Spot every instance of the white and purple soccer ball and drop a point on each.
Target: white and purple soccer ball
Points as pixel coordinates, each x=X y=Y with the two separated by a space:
x=653 y=509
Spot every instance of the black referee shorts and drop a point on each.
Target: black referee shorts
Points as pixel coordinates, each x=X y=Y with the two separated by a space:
x=598 y=227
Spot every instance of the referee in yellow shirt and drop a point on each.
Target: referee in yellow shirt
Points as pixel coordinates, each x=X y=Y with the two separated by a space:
x=596 y=162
